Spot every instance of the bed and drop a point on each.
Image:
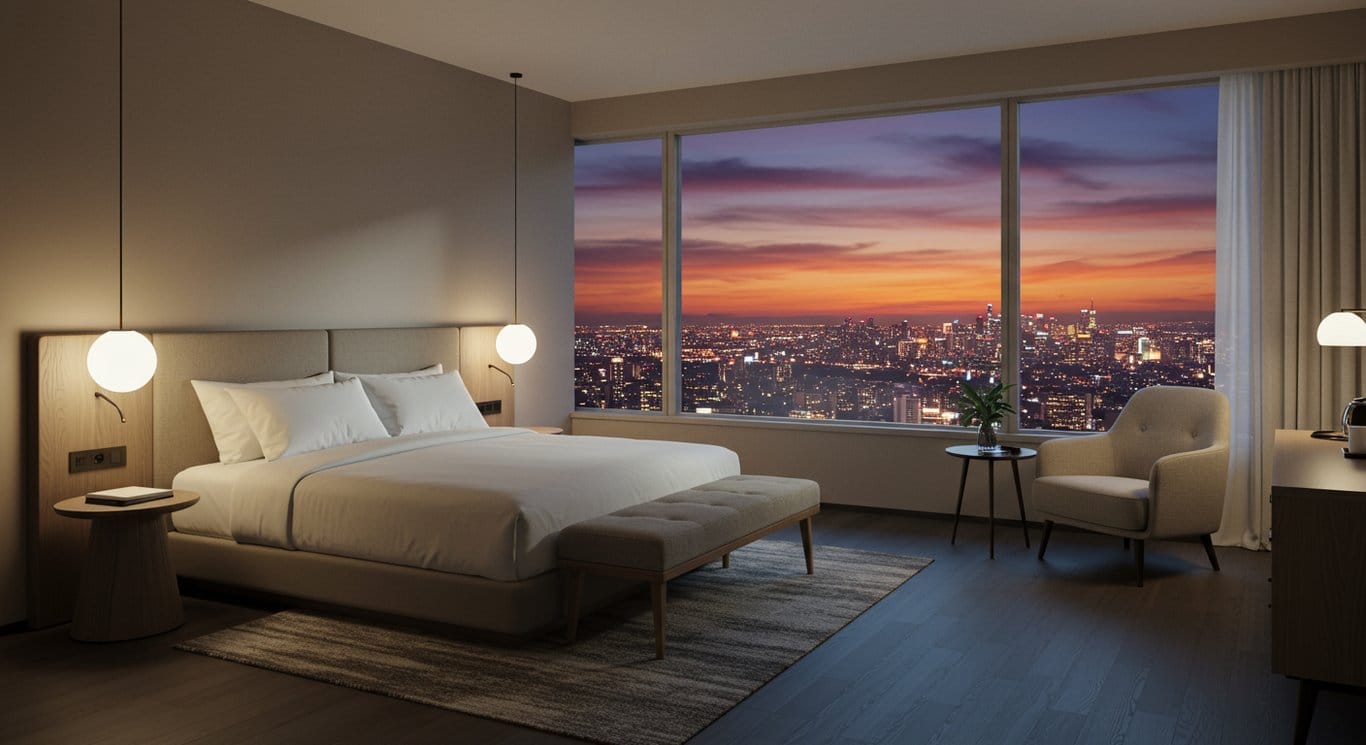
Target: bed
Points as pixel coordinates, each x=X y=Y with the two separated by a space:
x=456 y=528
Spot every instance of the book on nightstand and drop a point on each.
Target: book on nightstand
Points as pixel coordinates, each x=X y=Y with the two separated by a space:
x=126 y=495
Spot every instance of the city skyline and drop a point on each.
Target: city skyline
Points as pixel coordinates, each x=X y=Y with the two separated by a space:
x=898 y=217
x=1076 y=372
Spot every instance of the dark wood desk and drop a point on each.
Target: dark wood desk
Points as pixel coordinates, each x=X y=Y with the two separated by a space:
x=1318 y=568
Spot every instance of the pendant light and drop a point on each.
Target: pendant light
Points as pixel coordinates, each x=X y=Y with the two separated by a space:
x=122 y=360
x=516 y=342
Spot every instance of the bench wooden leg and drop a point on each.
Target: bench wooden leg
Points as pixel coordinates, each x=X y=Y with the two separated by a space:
x=575 y=590
x=658 y=590
x=725 y=561
x=806 y=545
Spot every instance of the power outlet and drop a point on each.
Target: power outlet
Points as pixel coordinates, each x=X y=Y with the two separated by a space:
x=489 y=408
x=78 y=461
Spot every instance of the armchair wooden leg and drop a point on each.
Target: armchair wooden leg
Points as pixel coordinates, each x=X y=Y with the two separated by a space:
x=1209 y=551
x=1047 y=531
x=725 y=561
x=1138 y=563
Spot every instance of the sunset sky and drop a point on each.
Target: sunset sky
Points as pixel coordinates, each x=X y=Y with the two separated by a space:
x=899 y=217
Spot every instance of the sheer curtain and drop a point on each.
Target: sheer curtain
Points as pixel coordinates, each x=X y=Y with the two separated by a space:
x=1238 y=305
x=1290 y=234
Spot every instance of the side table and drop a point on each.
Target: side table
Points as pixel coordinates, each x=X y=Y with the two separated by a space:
x=128 y=588
x=546 y=430
x=970 y=453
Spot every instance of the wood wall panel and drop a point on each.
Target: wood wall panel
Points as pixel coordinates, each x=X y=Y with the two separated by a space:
x=476 y=354
x=66 y=416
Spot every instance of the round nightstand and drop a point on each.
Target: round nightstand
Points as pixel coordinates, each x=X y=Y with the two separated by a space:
x=547 y=430
x=128 y=588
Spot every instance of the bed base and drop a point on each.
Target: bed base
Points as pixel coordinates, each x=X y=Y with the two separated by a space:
x=458 y=602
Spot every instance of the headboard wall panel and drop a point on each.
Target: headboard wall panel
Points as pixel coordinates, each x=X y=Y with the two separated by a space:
x=181 y=436
x=66 y=417
x=394 y=350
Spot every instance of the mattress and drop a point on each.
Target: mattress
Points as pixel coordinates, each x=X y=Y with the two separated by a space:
x=488 y=503
x=213 y=482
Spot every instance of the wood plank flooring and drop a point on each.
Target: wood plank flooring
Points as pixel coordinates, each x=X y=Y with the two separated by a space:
x=969 y=651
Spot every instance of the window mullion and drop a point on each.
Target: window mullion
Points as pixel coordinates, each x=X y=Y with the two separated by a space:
x=671 y=324
x=1010 y=255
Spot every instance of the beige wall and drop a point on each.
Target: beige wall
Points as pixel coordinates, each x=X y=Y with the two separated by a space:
x=1150 y=58
x=279 y=174
x=883 y=467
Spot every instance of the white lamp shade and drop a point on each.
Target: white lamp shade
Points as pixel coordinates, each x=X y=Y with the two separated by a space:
x=516 y=343
x=121 y=361
x=1342 y=329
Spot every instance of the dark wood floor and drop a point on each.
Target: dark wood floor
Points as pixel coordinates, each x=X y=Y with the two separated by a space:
x=969 y=651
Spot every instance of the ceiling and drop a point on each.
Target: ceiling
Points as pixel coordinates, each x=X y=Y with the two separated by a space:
x=585 y=49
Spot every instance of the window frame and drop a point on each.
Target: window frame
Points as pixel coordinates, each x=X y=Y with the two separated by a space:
x=671 y=320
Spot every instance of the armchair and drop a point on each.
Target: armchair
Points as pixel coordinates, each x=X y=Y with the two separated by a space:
x=1160 y=472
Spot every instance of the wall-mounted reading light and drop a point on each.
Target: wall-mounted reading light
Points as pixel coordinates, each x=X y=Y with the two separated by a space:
x=122 y=419
x=504 y=372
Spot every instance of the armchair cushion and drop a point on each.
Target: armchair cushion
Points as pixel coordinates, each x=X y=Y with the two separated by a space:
x=1110 y=501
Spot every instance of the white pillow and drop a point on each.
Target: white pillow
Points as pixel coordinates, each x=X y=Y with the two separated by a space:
x=432 y=403
x=289 y=421
x=231 y=433
x=386 y=413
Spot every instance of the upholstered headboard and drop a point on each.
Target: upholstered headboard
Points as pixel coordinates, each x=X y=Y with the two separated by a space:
x=180 y=433
x=394 y=350
x=181 y=436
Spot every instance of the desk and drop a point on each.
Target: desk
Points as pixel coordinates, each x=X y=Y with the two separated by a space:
x=1318 y=568
x=970 y=453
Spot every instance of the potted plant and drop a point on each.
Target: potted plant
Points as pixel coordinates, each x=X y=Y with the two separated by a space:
x=985 y=410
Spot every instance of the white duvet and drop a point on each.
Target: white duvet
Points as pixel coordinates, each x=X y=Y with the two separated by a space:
x=485 y=502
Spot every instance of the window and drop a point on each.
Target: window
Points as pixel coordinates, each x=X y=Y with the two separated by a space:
x=853 y=269
x=618 y=255
x=841 y=270
x=1116 y=251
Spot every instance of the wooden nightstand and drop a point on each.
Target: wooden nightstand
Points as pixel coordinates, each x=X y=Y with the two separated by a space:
x=128 y=588
x=547 y=430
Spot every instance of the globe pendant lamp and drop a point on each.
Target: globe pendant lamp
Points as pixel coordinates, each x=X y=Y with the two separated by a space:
x=122 y=360
x=516 y=342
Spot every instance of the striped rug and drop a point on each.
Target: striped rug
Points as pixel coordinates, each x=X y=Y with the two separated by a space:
x=730 y=632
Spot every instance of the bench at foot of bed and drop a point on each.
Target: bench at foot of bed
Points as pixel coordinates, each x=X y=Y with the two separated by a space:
x=673 y=535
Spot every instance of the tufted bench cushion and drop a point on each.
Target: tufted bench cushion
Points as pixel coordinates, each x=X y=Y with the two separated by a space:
x=657 y=541
x=671 y=530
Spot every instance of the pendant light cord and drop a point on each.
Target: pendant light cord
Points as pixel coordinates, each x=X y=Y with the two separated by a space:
x=515 y=77
x=120 y=165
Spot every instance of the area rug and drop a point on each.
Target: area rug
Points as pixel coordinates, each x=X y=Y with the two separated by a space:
x=730 y=631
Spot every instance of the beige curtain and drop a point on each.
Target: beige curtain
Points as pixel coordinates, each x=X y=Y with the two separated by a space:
x=1313 y=233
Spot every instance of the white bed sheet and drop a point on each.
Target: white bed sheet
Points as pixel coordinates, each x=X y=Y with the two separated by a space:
x=488 y=503
x=213 y=482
